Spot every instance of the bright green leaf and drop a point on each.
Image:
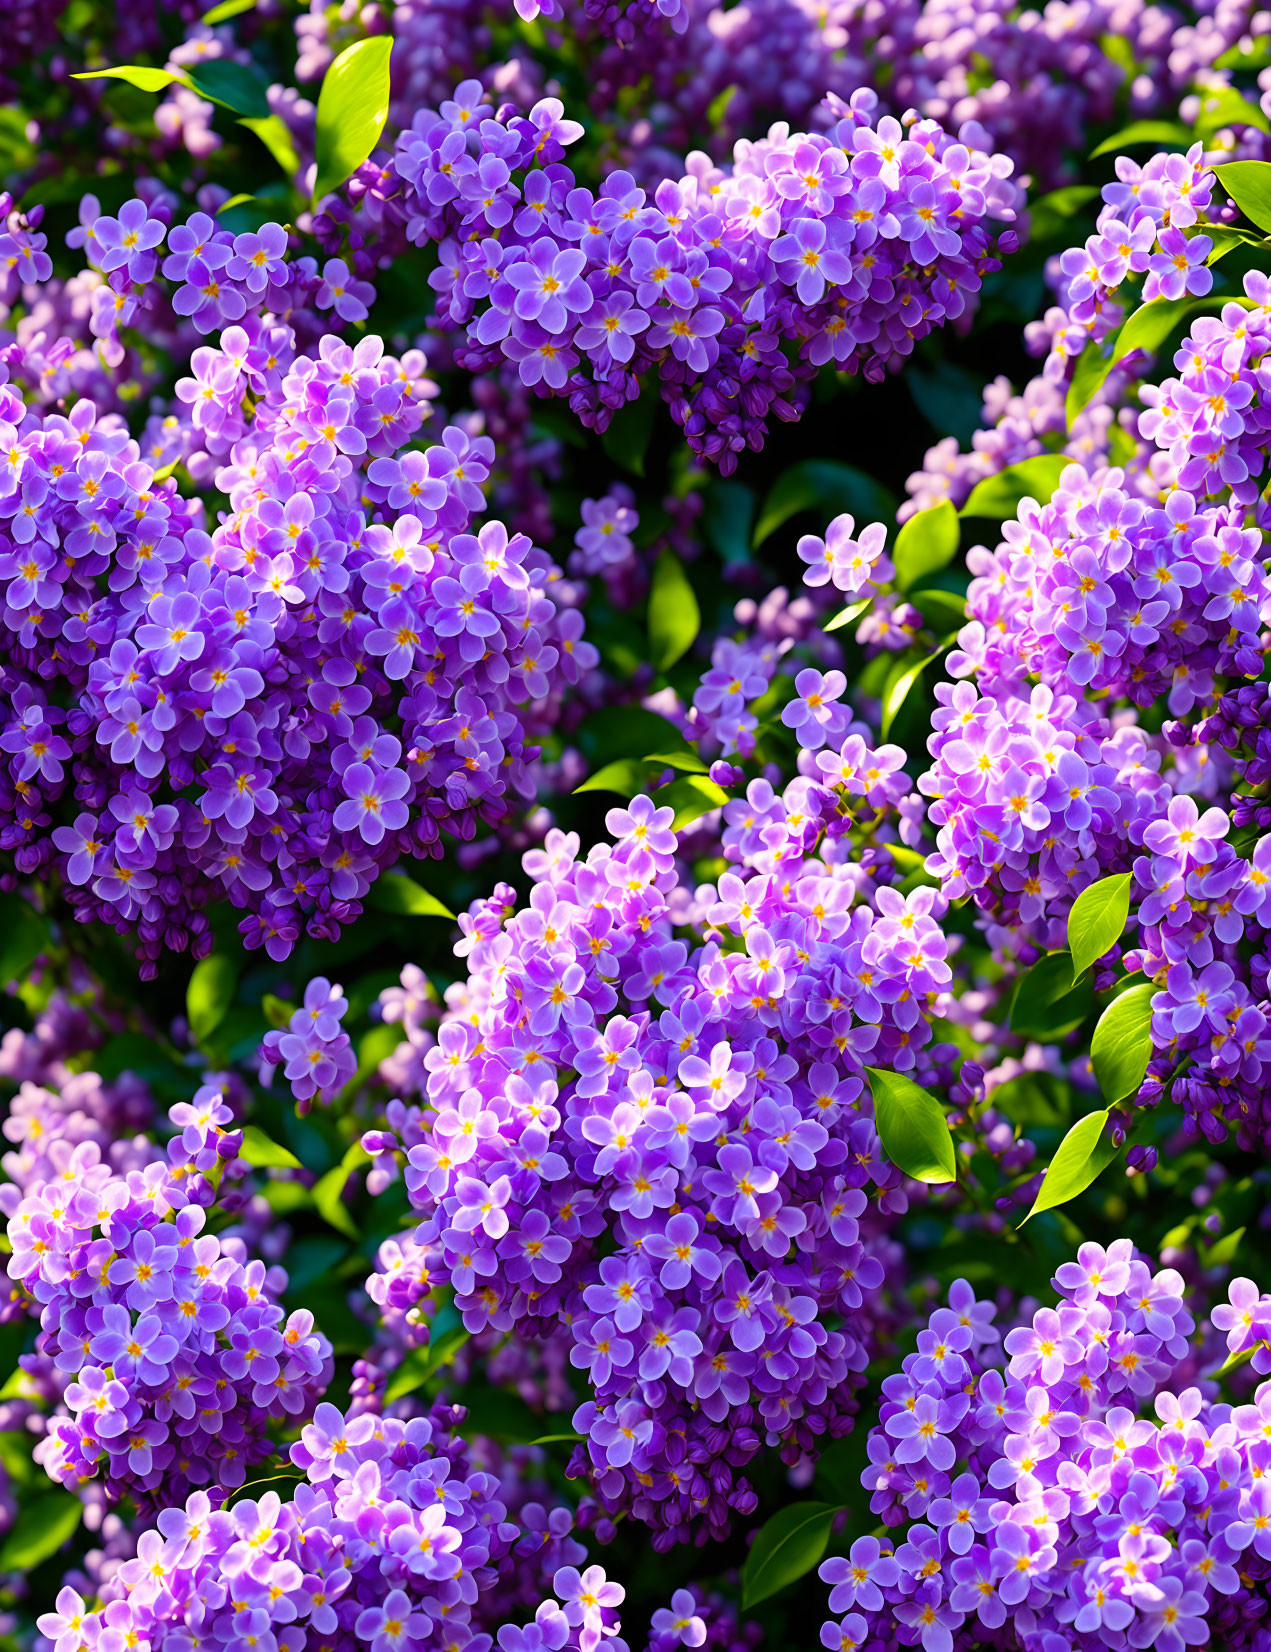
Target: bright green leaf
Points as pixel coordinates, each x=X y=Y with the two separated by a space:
x=1047 y=1003
x=830 y=486
x=421 y=1363
x=845 y=617
x=145 y=79
x=272 y=132
x=786 y=1548
x=687 y=762
x=912 y=1127
x=1258 y=56
x=328 y=1193
x=1097 y=920
x=1161 y=133
x=226 y=10
x=899 y=684
x=1233 y=1362
x=1249 y=185
x=1122 y=1044
x=41 y=1530
x=265 y=1154
x=1074 y=1165
x=209 y=994
x=691 y=797
x=625 y=775
x=927 y=543
x=674 y=616
x=1224 y=106
x=1093 y=367
x=1224 y=1250
x=24 y=935
x=352 y=109
x=394 y=892
x=999 y=496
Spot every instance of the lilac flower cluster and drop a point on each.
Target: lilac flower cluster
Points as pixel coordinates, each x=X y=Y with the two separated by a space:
x=667 y=1147
x=279 y=709
x=850 y=247
x=1040 y=1504
x=177 y=1352
x=389 y=1540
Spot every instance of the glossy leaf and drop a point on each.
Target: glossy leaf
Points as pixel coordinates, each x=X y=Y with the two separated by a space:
x=1249 y=185
x=231 y=84
x=1224 y=106
x=352 y=109
x=226 y=10
x=787 y=1547
x=1048 y=1003
x=1075 y=1165
x=926 y=543
x=999 y=496
x=272 y=132
x=394 y=892
x=209 y=994
x=328 y=1193
x=265 y=1154
x=1167 y=133
x=846 y=615
x=625 y=775
x=912 y=1127
x=1122 y=1044
x=43 y=1527
x=138 y=75
x=1097 y=920
x=691 y=797
x=828 y=485
x=24 y=935
x=674 y=616
x=899 y=686
x=1233 y=1362
x=1223 y=1250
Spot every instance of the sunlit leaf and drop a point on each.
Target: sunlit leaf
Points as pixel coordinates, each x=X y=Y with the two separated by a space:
x=352 y=109
x=674 y=616
x=40 y=1531
x=1249 y=185
x=209 y=994
x=1097 y=920
x=1160 y=134
x=912 y=1127
x=1122 y=1044
x=999 y=496
x=265 y=1154
x=394 y=892
x=1074 y=1166
x=786 y=1548
x=925 y=544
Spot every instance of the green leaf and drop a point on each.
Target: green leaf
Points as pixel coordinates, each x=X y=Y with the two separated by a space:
x=145 y=79
x=209 y=994
x=847 y=615
x=693 y=796
x=628 y=433
x=927 y=543
x=352 y=109
x=1224 y=106
x=277 y=1011
x=1224 y=1250
x=728 y=517
x=1093 y=367
x=226 y=10
x=912 y=1127
x=899 y=684
x=265 y=1154
x=674 y=617
x=830 y=486
x=24 y=935
x=231 y=84
x=41 y=1530
x=687 y=762
x=628 y=731
x=328 y=1193
x=999 y=496
x=625 y=775
x=718 y=106
x=1167 y=133
x=1249 y=185
x=1048 y=1003
x=1051 y=214
x=1122 y=1044
x=272 y=132
x=394 y=892
x=1257 y=57
x=1097 y=920
x=421 y=1363
x=1074 y=1165
x=942 y=611
x=786 y=1548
